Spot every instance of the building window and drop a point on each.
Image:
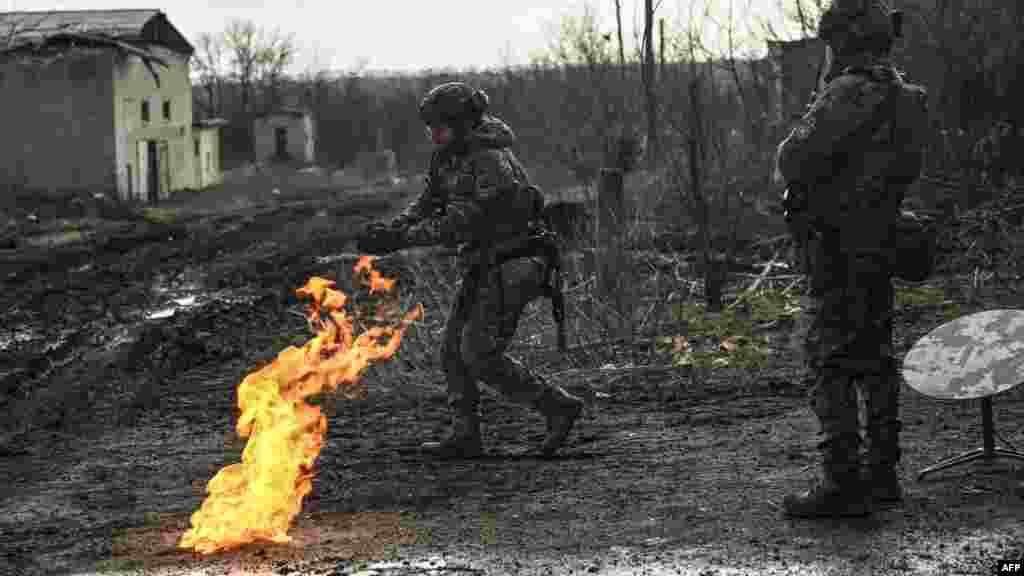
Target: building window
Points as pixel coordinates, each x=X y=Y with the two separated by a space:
x=145 y=110
x=167 y=110
x=195 y=146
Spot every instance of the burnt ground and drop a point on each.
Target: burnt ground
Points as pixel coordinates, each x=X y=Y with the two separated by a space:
x=112 y=429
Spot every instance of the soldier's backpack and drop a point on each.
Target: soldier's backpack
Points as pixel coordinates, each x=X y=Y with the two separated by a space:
x=541 y=242
x=913 y=242
x=912 y=239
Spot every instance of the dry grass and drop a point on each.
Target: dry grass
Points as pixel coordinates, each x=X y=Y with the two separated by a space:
x=160 y=215
x=597 y=357
x=54 y=239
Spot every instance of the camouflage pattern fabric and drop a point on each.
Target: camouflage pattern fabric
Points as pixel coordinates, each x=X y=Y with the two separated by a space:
x=848 y=344
x=474 y=198
x=482 y=321
x=859 y=201
x=849 y=341
x=466 y=189
x=971 y=357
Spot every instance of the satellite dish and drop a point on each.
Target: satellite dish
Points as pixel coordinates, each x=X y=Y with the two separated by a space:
x=976 y=356
x=971 y=357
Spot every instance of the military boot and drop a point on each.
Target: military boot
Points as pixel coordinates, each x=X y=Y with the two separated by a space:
x=883 y=456
x=463 y=440
x=839 y=493
x=561 y=410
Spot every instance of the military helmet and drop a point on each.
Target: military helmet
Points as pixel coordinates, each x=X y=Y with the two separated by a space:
x=454 y=104
x=865 y=24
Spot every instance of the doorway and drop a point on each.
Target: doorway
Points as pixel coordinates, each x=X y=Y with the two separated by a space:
x=164 y=167
x=152 y=172
x=280 y=143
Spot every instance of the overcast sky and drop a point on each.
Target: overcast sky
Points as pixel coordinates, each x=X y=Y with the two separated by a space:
x=409 y=35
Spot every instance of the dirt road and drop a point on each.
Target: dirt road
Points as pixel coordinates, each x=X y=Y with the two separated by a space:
x=673 y=475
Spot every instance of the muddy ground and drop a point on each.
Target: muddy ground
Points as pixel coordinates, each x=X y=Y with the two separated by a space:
x=119 y=375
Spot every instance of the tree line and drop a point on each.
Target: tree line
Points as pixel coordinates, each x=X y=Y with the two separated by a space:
x=585 y=92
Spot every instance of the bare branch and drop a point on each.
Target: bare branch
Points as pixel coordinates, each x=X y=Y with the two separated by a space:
x=22 y=26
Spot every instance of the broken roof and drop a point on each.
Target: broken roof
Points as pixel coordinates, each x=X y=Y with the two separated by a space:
x=139 y=27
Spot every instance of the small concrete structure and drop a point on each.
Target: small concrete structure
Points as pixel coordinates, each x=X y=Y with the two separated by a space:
x=285 y=134
x=206 y=151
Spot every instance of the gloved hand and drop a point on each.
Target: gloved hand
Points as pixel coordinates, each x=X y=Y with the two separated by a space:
x=378 y=238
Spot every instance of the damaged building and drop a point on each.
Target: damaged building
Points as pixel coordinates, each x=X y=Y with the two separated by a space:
x=98 y=101
x=285 y=134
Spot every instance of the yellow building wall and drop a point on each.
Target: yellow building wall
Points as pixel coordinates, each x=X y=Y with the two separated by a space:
x=207 y=161
x=134 y=84
x=57 y=124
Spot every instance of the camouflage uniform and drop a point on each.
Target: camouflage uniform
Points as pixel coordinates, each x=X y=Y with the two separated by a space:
x=852 y=203
x=474 y=199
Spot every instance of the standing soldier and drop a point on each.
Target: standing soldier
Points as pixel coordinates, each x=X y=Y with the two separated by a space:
x=478 y=198
x=848 y=164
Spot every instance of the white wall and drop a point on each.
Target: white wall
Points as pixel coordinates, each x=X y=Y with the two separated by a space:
x=300 y=145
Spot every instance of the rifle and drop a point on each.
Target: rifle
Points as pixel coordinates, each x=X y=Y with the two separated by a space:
x=801 y=228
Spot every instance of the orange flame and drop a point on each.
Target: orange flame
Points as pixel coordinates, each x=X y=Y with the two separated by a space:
x=258 y=498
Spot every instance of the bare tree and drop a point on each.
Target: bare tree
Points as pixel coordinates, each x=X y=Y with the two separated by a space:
x=258 y=58
x=803 y=13
x=211 y=65
x=593 y=101
x=276 y=54
x=242 y=40
x=649 y=81
x=622 y=48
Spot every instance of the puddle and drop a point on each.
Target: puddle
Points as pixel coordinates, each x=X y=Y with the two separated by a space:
x=173 y=293
x=19 y=335
x=178 y=304
x=433 y=566
x=179 y=285
x=26 y=334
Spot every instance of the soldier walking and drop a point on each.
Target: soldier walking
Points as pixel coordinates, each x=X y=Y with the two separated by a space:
x=848 y=164
x=478 y=199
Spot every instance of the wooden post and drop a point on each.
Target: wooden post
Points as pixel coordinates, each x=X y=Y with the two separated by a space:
x=661 y=48
x=613 y=281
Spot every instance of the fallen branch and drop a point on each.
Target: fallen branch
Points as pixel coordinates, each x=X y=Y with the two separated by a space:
x=609 y=371
x=772 y=240
x=795 y=281
x=757 y=283
x=772 y=278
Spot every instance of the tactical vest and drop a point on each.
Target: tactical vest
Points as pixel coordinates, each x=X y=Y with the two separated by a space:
x=858 y=201
x=515 y=230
